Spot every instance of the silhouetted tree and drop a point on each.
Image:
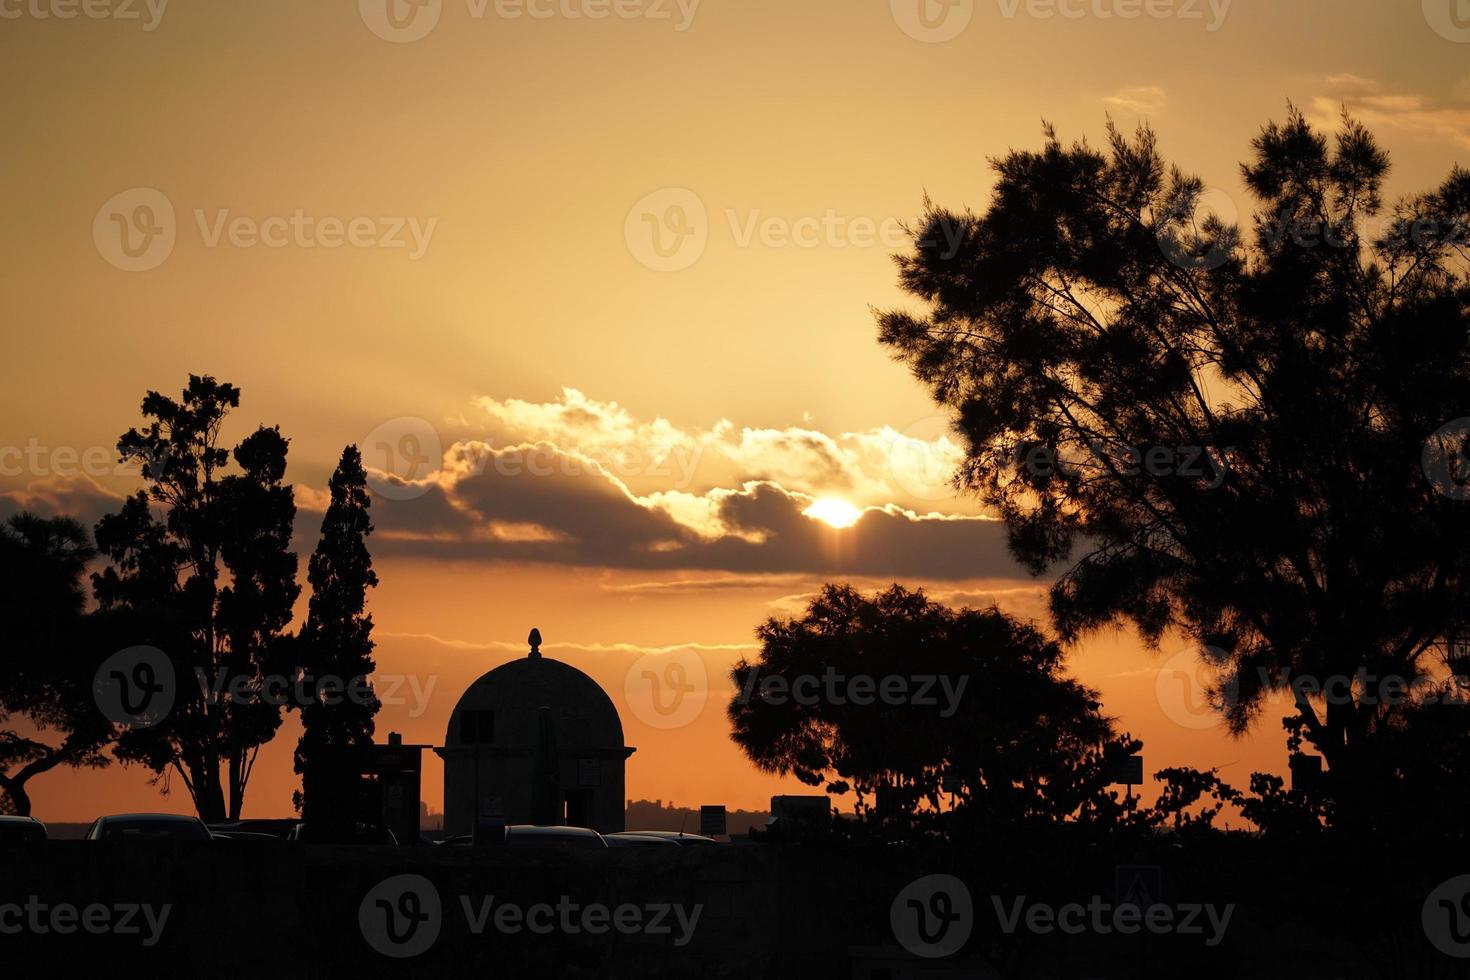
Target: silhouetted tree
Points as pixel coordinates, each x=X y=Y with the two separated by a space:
x=1232 y=432
x=48 y=659
x=913 y=705
x=336 y=644
x=167 y=570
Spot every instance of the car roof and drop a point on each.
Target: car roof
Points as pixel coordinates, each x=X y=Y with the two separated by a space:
x=672 y=835
x=11 y=818
x=151 y=817
x=635 y=837
x=529 y=829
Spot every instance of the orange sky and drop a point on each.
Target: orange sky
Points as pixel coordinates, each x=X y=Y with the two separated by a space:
x=702 y=387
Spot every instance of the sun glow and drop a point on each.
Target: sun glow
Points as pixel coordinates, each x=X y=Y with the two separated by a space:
x=833 y=511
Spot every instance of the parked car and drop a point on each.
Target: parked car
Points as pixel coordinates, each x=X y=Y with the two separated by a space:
x=534 y=836
x=637 y=840
x=148 y=826
x=361 y=834
x=244 y=835
x=276 y=828
x=679 y=837
x=21 y=829
x=554 y=838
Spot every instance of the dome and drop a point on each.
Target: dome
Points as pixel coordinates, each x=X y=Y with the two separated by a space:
x=509 y=698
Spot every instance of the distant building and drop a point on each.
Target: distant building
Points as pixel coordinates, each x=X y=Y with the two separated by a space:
x=797 y=815
x=534 y=741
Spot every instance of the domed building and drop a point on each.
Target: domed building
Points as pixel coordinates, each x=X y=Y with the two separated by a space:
x=534 y=741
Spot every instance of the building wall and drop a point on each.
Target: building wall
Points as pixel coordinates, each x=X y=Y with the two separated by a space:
x=508 y=778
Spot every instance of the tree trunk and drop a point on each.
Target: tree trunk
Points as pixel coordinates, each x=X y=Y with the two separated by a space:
x=16 y=792
x=209 y=799
x=237 y=787
x=15 y=785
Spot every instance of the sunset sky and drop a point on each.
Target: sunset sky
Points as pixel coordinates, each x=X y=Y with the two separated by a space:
x=594 y=295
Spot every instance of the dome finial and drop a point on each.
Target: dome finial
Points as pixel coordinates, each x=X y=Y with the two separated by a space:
x=535 y=640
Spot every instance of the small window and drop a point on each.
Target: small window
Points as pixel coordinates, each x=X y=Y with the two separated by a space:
x=477 y=727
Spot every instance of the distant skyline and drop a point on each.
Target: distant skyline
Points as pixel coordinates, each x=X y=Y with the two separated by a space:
x=593 y=294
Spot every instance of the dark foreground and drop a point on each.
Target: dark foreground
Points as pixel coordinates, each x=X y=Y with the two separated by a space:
x=1230 y=907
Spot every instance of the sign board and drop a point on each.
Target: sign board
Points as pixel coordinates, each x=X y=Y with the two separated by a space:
x=589 y=772
x=1128 y=769
x=1458 y=655
x=1140 y=885
x=490 y=823
x=712 y=821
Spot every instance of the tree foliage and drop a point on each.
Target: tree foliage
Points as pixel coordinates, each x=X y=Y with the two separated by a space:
x=979 y=721
x=1094 y=314
x=202 y=561
x=49 y=656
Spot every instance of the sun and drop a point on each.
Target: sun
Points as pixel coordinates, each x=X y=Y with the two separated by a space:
x=834 y=512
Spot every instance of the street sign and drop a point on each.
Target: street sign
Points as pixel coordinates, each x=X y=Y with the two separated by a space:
x=1139 y=885
x=1128 y=769
x=712 y=821
x=1457 y=655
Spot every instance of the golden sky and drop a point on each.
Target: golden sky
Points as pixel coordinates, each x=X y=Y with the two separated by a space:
x=642 y=237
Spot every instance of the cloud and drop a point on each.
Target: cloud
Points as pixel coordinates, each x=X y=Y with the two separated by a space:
x=74 y=496
x=1348 y=82
x=311 y=499
x=544 y=485
x=720 y=583
x=552 y=648
x=1380 y=110
x=911 y=467
x=590 y=517
x=1144 y=100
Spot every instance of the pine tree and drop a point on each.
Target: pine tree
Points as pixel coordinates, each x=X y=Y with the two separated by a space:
x=336 y=644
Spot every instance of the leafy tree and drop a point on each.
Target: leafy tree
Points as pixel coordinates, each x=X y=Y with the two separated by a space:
x=1284 y=382
x=215 y=580
x=49 y=657
x=336 y=643
x=979 y=721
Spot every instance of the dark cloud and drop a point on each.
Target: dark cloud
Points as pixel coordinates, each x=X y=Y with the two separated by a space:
x=552 y=507
x=592 y=520
x=75 y=496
